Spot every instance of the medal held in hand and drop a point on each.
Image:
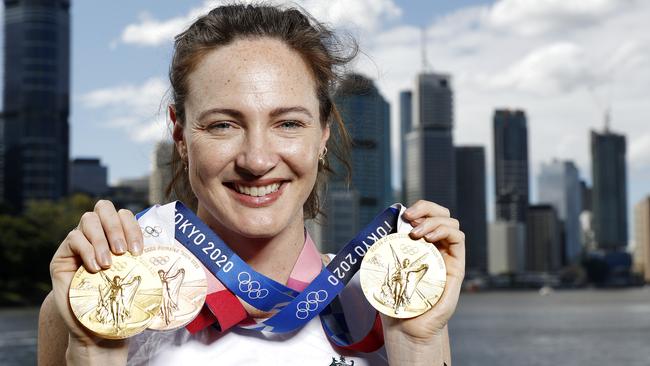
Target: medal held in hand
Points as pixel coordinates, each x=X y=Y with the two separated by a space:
x=402 y=277
x=119 y=302
x=184 y=286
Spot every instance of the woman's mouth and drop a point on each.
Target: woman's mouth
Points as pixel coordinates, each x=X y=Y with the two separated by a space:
x=257 y=191
x=258 y=195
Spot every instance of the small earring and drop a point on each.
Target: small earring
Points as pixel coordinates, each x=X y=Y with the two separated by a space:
x=185 y=165
x=321 y=157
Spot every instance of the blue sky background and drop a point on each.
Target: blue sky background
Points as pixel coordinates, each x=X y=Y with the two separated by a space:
x=563 y=61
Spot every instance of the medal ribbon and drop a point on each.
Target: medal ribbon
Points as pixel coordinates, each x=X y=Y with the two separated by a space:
x=292 y=309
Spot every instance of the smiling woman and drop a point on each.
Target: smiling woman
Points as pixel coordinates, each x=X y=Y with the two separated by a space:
x=252 y=122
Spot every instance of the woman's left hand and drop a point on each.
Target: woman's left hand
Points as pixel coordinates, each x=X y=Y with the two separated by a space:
x=433 y=223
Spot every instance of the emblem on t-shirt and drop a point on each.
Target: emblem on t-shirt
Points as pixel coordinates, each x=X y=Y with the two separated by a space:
x=341 y=362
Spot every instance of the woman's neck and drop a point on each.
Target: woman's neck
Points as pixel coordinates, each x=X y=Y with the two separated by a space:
x=273 y=257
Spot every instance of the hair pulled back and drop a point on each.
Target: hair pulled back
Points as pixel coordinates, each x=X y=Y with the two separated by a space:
x=323 y=52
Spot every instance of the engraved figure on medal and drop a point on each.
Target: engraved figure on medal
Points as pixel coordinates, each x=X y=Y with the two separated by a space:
x=118 y=302
x=171 y=289
x=402 y=278
x=115 y=299
x=184 y=285
x=403 y=282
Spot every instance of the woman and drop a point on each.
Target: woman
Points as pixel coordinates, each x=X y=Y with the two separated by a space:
x=252 y=119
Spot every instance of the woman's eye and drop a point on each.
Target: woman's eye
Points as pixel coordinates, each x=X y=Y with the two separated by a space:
x=290 y=124
x=219 y=126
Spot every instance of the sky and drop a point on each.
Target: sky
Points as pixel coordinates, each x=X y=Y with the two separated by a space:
x=562 y=61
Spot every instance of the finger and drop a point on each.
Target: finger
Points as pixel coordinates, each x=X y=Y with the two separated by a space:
x=429 y=224
x=449 y=241
x=131 y=231
x=112 y=225
x=75 y=246
x=94 y=232
x=424 y=208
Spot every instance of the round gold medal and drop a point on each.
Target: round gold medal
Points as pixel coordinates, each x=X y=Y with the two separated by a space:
x=119 y=302
x=402 y=277
x=184 y=286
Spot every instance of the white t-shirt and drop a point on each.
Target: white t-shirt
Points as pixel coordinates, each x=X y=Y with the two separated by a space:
x=306 y=346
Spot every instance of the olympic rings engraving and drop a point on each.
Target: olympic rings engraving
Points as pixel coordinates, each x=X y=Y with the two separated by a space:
x=310 y=304
x=251 y=288
x=409 y=249
x=159 y=261
x=151 y=231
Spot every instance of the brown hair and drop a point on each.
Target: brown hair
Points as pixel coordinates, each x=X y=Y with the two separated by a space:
x=320 y=48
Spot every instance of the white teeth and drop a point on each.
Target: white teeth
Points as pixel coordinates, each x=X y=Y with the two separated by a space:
x=257 y=191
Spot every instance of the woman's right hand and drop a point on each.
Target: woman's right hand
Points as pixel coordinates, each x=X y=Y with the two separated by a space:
x=99 y=233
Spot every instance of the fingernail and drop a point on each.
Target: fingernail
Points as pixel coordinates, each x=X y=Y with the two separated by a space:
x=105 y=259
x=417 y=230
x=95 y=266
x=120 y=246
x=136 y=247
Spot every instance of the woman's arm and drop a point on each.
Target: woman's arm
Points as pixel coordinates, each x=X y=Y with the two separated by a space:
x=52 y=335
x=424 y=340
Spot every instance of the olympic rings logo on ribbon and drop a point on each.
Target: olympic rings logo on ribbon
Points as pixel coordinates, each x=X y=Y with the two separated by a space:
x=151 y=231
x=251 y=288
x=159 y=261
x=310 y=304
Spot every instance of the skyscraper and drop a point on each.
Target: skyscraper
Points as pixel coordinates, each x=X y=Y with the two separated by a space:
x=507 y=252
x=471 y=204
x=161 y=174
x=88 y=175
x=367 y=116
x=642 y=238
x=511 y=165
x=405 y=123
x=36 y=100
x=559 y=186
x=609 y=191
x=430 y=160
x=544 y=242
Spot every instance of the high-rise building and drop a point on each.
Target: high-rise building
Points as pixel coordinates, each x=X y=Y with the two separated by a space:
x=585 y=193
x=507 y=251
x=511 y=165
x=88 y=175
x=341 y=223
x=131 y=193
x=367 y=117
x=544 y=241
x=609 y=190
x=34 y=124
x=161 y=175
x=405 y=123
x=471 y=204
x=642 y=238
x=559 y=186
x=430 y=160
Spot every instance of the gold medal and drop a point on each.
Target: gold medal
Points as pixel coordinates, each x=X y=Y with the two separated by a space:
x=119 y=302
x=184 y=286
x=402 y=277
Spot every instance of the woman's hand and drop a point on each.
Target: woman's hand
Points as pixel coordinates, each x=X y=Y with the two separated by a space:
x=433 y=223
x=99 y=233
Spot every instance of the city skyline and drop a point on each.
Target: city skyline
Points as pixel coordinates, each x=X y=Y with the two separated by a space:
x=499 y=54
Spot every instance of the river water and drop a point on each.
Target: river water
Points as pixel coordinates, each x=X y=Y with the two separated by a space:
x=568 y=328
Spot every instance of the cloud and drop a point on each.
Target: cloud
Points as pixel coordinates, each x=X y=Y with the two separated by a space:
x=554 y=69
x=362 y=15
x=533 y=17
x=135 y=109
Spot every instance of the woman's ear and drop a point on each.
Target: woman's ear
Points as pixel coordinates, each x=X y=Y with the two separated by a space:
x=325 y=137
x=177 y=133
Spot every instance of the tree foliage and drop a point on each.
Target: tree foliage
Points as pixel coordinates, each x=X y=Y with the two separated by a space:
x=27 y=243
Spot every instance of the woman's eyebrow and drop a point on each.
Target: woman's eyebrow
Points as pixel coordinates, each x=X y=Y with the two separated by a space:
x=239 y=115
x=282 y=110
x=227 y=111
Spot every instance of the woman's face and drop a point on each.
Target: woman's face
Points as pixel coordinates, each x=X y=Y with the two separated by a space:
x=252 y=137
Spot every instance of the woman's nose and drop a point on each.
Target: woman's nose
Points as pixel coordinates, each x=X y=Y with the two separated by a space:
x=257 y=156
